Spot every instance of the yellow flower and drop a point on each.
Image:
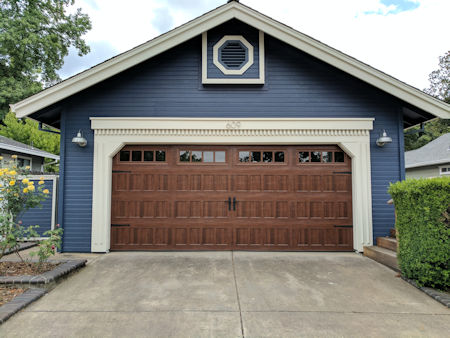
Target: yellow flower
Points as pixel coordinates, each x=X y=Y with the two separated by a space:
x=41 y=178
x=45 y=191
x=27 y=167
x=31 y=183
x=14 y=156
x=31 y=187
x=11 y=183
x=25 y=180
x=25 y=190
x=1 y=158
x=1 y=173
x=16 y=195
x=12 y=173
x=41 y=182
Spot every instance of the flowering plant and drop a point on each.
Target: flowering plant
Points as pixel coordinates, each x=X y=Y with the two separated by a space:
x=17 y=194
x=47 y=247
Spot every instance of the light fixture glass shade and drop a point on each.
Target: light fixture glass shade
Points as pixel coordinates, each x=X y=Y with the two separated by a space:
x=80 y=140
x=383 y=139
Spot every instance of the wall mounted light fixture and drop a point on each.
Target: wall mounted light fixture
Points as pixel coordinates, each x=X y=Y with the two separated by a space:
x=383 y=139
x=80 y=140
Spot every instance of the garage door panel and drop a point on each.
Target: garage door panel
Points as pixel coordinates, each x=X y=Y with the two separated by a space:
x=185 y=204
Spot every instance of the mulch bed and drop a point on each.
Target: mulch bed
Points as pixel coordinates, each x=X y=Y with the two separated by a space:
x=24 y=268
x=7 y=293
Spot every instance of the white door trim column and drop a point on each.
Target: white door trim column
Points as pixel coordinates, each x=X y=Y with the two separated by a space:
x=111 y=134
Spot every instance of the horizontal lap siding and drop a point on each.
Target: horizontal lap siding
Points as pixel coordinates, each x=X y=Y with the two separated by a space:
x=169 y=85
x=41 y=216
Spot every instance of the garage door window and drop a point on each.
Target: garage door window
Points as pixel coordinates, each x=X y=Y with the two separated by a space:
x=142 y=156
x=305 y=157
x=198 y=156
x=256 y=157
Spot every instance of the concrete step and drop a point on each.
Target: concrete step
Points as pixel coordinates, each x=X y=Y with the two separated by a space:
x=387 y=243
x=383 y=256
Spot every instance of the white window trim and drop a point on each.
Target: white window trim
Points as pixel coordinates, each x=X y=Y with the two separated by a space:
x=26 y=158
x=250 y=58
x=111 y=134
x=207 y=80
x=444 y=173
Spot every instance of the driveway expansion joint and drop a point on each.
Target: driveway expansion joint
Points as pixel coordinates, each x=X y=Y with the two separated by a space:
x=237 y=294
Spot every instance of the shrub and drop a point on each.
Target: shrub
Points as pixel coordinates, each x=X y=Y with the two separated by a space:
x=423 y=230
x=17 y=194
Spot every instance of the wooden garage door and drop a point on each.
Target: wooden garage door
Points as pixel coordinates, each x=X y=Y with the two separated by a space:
x=231 y=198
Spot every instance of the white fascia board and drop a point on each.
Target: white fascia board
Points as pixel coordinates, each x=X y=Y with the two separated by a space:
x=344 y=62
x=28 y=151
x=212 y=19
x=122 y=62
x=426 y=164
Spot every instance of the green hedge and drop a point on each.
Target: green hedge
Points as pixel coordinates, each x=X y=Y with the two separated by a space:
x=423 y=230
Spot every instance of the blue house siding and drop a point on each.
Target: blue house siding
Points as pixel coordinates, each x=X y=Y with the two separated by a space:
x=169 y=85
x=41 y=216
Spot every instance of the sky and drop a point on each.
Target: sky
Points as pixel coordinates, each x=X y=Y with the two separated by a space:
x=403 y=38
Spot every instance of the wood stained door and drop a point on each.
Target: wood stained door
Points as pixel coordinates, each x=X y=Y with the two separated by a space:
x=231 y=198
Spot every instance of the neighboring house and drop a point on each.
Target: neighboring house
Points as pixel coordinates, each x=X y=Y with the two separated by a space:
x=45 y=215
x=26 y=155
x=431 y=160
x=231 y=132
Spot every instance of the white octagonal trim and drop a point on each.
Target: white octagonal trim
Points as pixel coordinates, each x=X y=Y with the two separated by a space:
x=351 y=134
x=250 y=56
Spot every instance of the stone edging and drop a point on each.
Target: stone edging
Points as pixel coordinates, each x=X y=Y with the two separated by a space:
x=441 y=297
x=19 y=302
x=22 y=246
x=47 y=277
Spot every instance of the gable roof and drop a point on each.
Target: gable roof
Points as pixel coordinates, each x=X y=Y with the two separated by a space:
x=12 y=145
x=435 y=152
x=233 y=10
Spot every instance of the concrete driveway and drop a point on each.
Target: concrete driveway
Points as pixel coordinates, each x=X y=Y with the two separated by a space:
x=224 y=294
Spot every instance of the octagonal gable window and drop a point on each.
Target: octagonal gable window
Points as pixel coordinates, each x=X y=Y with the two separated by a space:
x=233 y=55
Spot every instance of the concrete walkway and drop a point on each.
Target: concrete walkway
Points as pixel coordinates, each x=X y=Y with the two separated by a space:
x=224 y=294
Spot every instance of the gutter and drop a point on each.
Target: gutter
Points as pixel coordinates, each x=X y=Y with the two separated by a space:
x=39 y=153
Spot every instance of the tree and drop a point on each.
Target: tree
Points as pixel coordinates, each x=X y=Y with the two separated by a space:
x=27 y=132
x=440 y=80
x=439 y=88
x=35 y=36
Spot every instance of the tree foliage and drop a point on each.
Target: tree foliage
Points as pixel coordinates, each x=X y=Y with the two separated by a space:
x=432 y=130
x=440 y=80
x=27 y=132
x=439 y=88
x=35 y=36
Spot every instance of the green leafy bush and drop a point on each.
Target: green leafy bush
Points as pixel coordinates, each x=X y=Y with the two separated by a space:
x=423 y=230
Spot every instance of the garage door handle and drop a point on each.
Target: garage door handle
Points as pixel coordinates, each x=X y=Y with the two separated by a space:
x=343 y=226
x=234 y=203
x=120 y=225
x=229 y=203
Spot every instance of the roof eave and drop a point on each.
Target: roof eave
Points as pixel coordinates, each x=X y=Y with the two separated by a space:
x=426 y=164
x=34 y=152
x=212 y=19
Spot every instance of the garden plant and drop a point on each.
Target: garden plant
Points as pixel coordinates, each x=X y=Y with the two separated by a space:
x=18 y=193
